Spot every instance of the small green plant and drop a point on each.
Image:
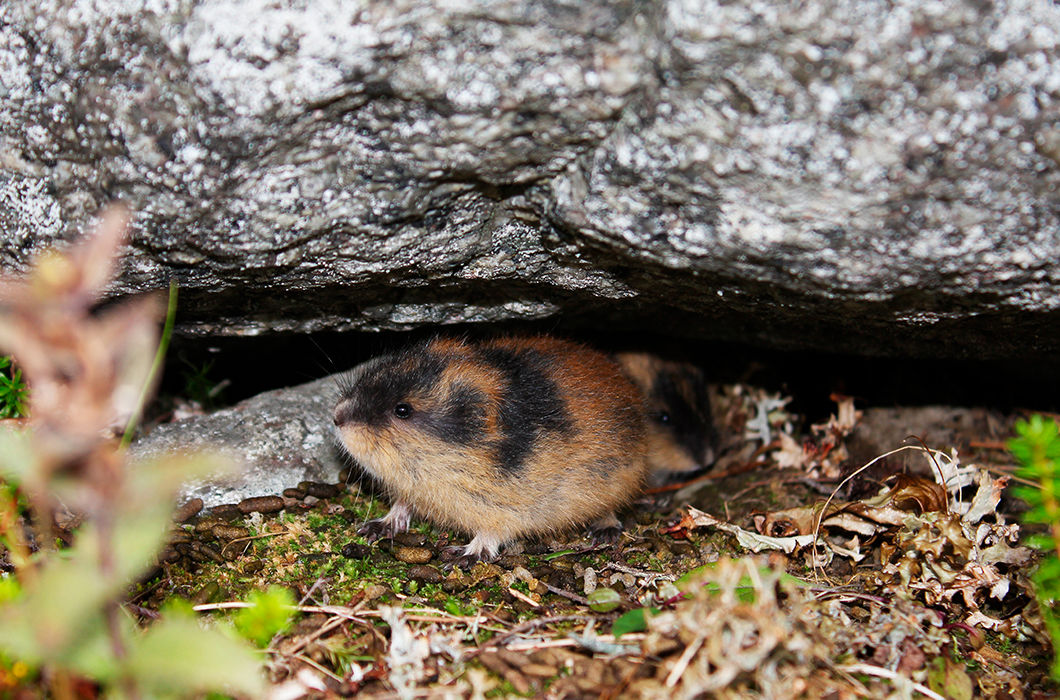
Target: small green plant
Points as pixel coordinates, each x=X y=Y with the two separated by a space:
x=1037 y=450
x=13 y=390
x=199 y=386
x=269 y=613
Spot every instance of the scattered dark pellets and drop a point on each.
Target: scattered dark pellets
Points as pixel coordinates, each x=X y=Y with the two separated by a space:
x=454 y=585
x=410 y=539
x=513 y=659
x=425 y=574
x=503 y=614
x=412 y=555
x=188 y=511
x=234 y=550
x=510 y=561
x=319 y=490
x=294 y=493
x=261 y=504
x=223 y=531
x=207 y=594
x=194 y=554
x=682 y=549
x=355 y=550
x=587 y=685
x=253 y=566
x=493 y=662
x=209 y=552
x=542 y=572
x=207 y=524
x=317 y=557
x=564 y=580
x=540 y=670
x=537 y=548
x=517 y=679
x=227 y=511
x=178 y=535
x=548 y=657
x=293 y=505
x=168 y=554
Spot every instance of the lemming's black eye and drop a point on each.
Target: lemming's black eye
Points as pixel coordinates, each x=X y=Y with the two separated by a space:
x=664 y=418
x=402 y=410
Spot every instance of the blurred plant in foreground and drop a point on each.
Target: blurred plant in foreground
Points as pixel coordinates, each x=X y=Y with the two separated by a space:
x=1037 y=450
x=62 y=625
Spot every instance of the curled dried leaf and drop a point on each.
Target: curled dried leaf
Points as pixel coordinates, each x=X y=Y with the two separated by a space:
x=918 y=494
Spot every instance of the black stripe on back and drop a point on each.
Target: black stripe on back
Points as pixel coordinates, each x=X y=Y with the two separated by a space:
x=531 y=404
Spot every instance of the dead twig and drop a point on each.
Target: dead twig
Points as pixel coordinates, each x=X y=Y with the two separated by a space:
x=711 y=476
x=566 y=594
x=515 y=593
x=891 y=675
x=530 y=626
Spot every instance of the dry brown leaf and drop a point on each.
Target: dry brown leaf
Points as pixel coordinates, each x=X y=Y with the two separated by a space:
x=750 y=540
x=986 y=498
x=792 y=521
x=915 y=493
x=791 y=454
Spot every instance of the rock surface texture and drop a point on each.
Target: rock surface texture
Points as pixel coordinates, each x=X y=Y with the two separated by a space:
x=278 y=439
x=876 y=177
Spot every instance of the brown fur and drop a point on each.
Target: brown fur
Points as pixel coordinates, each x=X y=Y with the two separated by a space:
x=675 y=448
x=568 y=477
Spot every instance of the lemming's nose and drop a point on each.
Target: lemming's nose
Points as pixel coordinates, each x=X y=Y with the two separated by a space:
x=341 y=414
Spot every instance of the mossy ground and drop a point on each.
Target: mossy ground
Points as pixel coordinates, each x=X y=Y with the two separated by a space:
x=318 y=555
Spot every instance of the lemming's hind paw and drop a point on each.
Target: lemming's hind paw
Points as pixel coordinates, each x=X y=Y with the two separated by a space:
x=482 y=547
x=456 y=557
x=607 y=536
x=605 y=531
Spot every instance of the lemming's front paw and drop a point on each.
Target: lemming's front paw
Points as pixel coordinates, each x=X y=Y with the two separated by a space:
x=395 y=521
x=377 y=529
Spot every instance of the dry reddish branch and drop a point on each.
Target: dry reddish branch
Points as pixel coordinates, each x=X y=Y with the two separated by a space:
x=86 y=367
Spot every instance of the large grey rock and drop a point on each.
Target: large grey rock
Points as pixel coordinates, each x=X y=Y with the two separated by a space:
x=840 y=174
x=276 y=439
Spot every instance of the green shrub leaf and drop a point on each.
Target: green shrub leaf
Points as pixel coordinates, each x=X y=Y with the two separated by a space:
x=177 y=656
x=633 y=621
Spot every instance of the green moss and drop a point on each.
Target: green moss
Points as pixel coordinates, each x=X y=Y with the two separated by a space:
x=506 y=690
x=13 y=390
